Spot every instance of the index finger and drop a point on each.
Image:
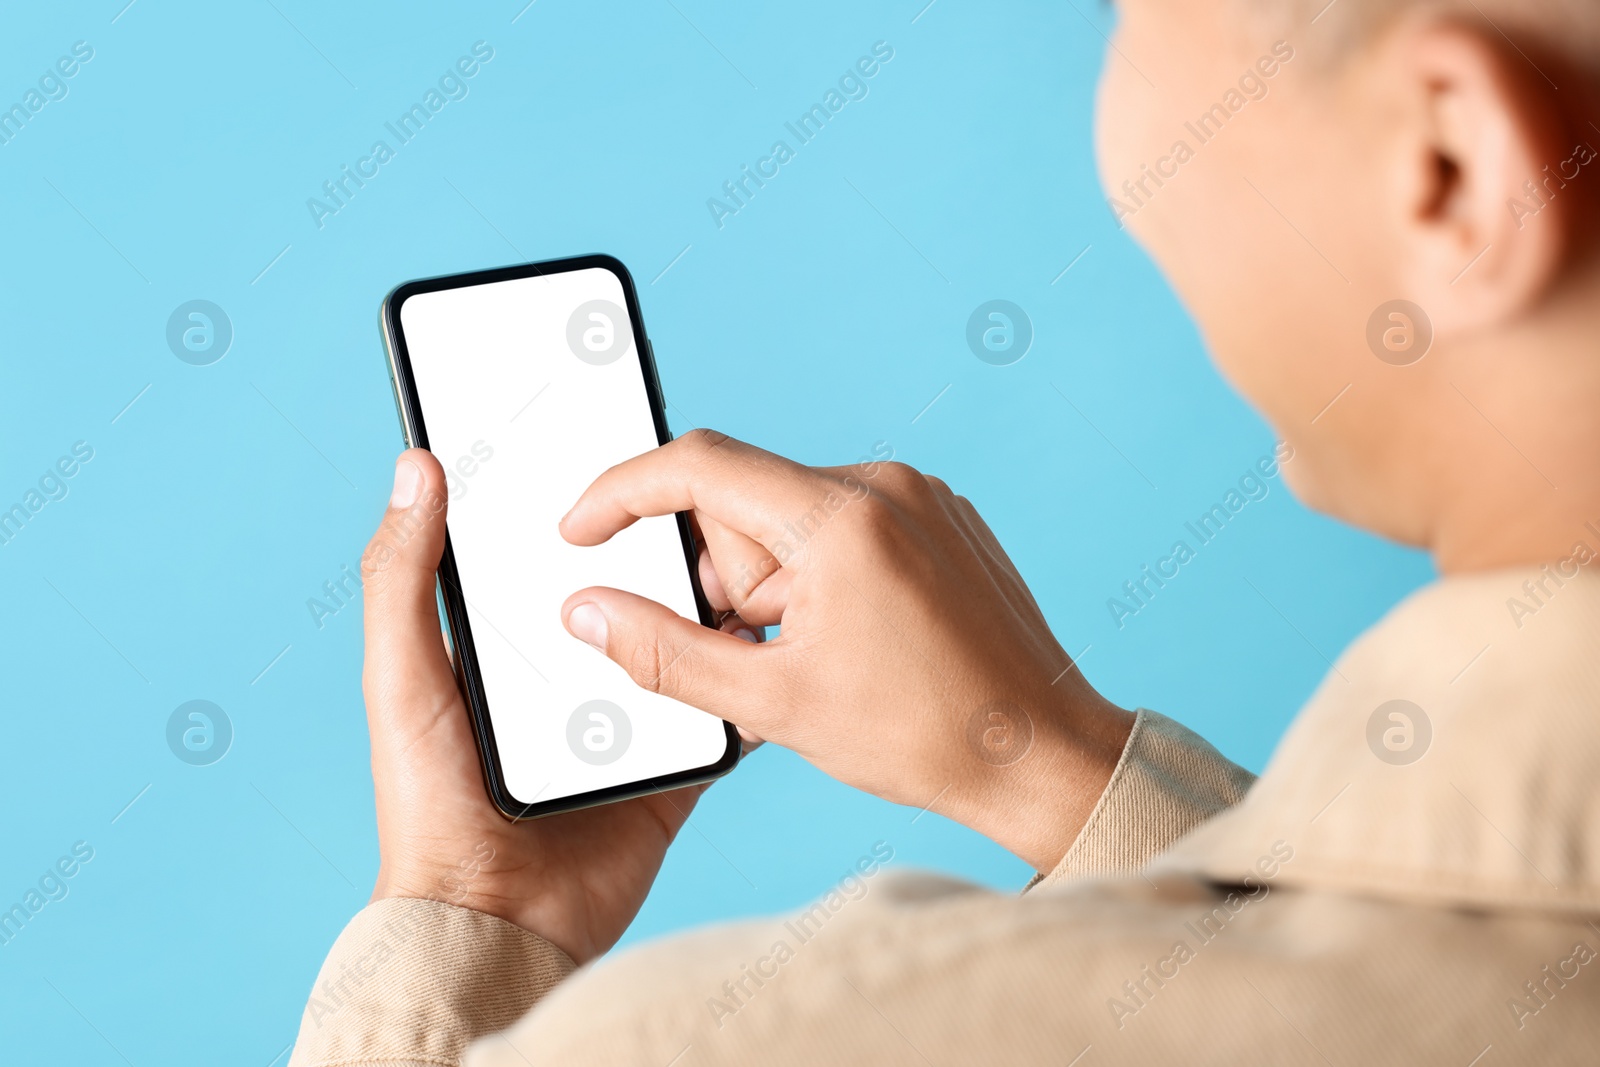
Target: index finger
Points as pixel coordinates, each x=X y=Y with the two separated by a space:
x=743 y=487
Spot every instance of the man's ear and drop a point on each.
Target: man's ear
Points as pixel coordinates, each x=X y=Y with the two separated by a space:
x=1488 y=182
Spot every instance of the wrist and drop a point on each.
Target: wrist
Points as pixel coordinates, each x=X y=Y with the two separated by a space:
x=460 y=883
x=1034 y=794
x=552 y=916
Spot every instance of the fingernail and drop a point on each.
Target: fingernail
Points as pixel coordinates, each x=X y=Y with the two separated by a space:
x=744 y=633
x=407 y=484
x=587 y=623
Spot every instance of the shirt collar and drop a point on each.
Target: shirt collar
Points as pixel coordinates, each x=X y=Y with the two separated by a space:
x=1449 y=756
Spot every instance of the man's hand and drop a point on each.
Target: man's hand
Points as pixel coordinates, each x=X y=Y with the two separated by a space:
x=575 y=879
x=913 y=662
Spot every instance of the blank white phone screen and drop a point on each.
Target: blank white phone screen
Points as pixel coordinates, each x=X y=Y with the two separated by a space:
x=529 y=389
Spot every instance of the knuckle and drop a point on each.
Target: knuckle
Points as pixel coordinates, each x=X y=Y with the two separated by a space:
x=649 y=662
x=896 y=475
x=704 y=439
x=396 y=534
x=377 y=559
x=906 y=484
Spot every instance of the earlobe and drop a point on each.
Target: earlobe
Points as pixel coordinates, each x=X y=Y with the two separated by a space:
x=1482 y=127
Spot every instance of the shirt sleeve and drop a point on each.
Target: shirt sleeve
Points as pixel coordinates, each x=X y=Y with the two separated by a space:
x=410 y=982
x=807 y=990
x=1168 y=781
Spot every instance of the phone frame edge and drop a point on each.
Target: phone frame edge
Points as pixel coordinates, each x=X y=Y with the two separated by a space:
x=458 y=630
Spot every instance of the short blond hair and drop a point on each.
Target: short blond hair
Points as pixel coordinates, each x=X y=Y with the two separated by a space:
x=1569 y=29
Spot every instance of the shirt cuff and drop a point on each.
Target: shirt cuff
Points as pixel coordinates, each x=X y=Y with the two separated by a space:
x=410 y=982
x=1168 y=781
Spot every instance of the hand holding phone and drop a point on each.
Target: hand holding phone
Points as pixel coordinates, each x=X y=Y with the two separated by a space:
x=528 y=383
x=576 y=879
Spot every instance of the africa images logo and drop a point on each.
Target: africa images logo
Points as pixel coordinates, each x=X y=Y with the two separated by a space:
x=598 y=333
x=851 y=86
x=1252 y=85
x=999 y=333
x=599 y=732
x=337 y=192
x=199 y=332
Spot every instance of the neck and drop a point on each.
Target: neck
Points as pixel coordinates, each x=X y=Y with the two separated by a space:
x=1518 y=472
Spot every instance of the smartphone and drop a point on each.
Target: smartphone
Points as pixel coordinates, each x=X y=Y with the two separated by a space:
x=527 y=383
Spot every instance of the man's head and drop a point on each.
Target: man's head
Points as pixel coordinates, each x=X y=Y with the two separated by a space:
x=1297 y=169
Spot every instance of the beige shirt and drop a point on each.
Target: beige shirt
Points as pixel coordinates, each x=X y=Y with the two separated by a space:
x=1407 y=883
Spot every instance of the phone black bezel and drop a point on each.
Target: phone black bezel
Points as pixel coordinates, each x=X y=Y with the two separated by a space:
x=464 y=653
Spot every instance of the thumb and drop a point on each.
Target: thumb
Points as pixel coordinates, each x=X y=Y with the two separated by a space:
x=406 y=663
x=668 y=654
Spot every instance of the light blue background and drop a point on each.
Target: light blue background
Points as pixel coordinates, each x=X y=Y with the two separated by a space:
x=819 y=320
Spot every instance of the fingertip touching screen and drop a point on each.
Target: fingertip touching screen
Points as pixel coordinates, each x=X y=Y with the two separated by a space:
x=529 y=388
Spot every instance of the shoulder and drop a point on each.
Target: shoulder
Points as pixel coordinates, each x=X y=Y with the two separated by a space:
x=927 y=970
